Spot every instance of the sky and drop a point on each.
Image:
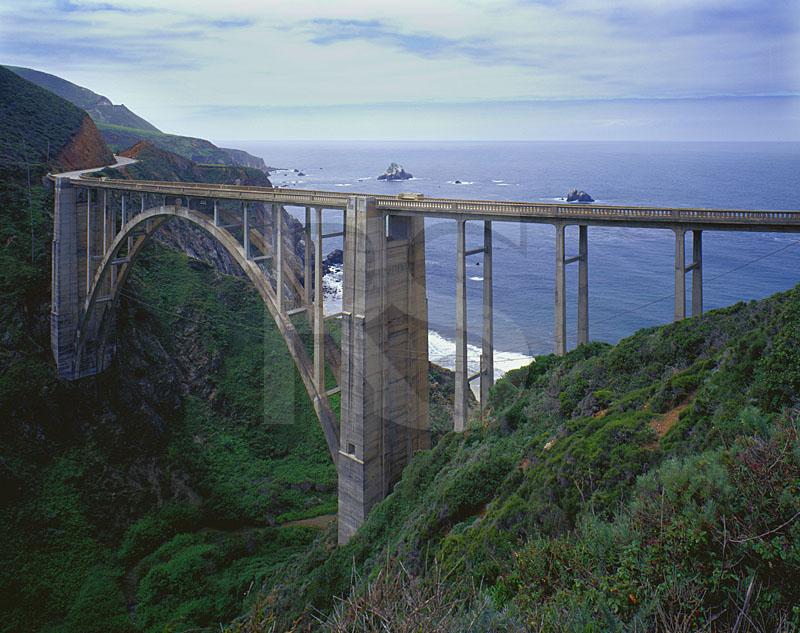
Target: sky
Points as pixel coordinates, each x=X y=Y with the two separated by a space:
x=705 y=70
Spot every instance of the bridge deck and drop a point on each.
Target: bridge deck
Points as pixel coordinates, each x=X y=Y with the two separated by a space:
x=553 y=213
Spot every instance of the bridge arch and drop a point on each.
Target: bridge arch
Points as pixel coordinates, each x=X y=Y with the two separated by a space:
x=95 y=324
x=383 y=365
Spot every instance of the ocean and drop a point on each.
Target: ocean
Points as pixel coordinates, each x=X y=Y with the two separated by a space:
x=630 y=270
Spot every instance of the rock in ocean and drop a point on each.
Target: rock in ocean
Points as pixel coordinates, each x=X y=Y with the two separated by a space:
x=395 y=172
x=578 y=196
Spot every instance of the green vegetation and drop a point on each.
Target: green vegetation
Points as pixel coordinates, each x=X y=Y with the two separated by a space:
x=99 y=107
x=152 y=496
x=120 y=127
x=199 y=150
x=158 y=164
x=654 y=485
x=34 y=123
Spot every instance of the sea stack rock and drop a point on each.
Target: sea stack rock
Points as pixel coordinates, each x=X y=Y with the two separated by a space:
x=395 y=172
x=579 y=196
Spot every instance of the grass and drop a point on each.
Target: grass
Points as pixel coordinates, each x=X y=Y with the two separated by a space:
x=568 y=512
x=156 y=469
x=33 y=121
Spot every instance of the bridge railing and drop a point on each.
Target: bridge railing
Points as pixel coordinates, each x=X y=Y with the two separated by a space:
x=449 y=207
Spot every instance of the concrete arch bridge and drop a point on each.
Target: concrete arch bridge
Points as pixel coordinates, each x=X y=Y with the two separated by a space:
x=381 y=369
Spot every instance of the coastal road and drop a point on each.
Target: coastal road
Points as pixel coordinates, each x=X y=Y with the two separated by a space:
x=122 y=161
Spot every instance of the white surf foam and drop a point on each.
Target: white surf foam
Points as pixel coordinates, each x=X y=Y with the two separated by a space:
x=442 y=351
x=332 y=290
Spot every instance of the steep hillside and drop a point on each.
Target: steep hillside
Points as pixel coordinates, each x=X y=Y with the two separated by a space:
x=121 y=128
x=99 y=107
x=159 y=495
x=176 y=464
x=37 y=127
x=155 y=163
x=197 y=149
x=654 y=485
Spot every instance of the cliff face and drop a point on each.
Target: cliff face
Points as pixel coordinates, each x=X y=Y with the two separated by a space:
x=85 y=149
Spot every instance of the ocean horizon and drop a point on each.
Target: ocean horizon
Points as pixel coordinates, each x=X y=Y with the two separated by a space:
x=630 y=270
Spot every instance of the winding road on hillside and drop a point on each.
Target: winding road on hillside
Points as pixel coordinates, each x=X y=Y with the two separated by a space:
x=122 y=161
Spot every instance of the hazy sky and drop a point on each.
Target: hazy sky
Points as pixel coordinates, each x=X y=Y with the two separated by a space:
x=433 y=69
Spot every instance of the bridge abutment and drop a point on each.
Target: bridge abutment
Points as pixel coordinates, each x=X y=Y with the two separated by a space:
x=79 y=238
x=384 y=376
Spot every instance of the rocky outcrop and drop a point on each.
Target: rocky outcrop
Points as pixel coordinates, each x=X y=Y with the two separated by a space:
x=86 y=149
x=578 y=196
x=395 y=172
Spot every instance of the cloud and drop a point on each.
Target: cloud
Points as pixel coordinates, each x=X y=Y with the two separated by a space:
x=223 y=24
x=79 y=41
x=70 y=6
x=328 y=31
x=261 y=61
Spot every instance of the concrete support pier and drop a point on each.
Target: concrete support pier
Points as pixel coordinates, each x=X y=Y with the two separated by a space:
x=318 y=322
x=384 y=357
x=681 y=269
x=487 y=340
x=279 y=257
x=78 y=239
x=680 y=274
x=65 y=294
x=460 y=406
x=308 y=280
x=245 y=230
x=560 y=316
x=583 y=285
x=697 y=272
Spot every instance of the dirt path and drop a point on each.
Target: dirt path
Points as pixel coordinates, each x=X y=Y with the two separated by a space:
x=666 y=421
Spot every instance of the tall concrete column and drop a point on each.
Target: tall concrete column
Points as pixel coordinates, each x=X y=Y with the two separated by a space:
x=125 y=218
x=89 y=236
x=113 y=218
x=360 y=463
x=560 y=328
x=319 y=308
x=487 y=342
x=583 y=285
x=405 y=355
x=697 y=272
x=680 y=274
x=460 y=406
x=246 y=230
x=113 y=232
x=279 y=258
x=216 y=213
x=65 y=300
x=308 y=282
x=274 y=215
x=105 y=221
